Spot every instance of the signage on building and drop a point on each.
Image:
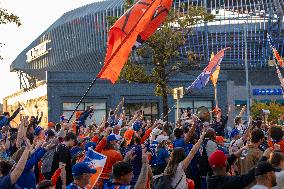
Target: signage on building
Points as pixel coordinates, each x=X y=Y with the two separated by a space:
x=277 y=91
x=37 y=51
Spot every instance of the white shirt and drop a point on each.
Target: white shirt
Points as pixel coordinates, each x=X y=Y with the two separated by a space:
x=179 y=174
x=259 y=187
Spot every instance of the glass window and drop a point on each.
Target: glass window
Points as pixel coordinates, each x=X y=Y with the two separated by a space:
x=100 y=111
x=194 y=104
x=150 y=110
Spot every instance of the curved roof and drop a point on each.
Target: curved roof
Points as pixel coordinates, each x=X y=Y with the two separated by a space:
x=77 y=40
x=78 y=36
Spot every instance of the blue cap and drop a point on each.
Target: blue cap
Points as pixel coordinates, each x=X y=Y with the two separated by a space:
x=37 y=130
x=90 y=144
x=234 y=132
x=137 y=125
x=82 y=168
x=111 y=138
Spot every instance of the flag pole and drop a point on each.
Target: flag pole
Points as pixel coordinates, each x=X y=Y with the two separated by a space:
x=215 y=96
x=247 y=74
x=82 y=98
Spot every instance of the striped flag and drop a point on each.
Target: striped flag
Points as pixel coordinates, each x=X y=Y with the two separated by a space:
x=203 y=78
x=215 y=74
x=96 y=161
x=275 y=52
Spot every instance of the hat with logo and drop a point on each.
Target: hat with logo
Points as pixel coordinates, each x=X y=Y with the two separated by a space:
x=82 y=168
x=111 y=138
x=217 y=159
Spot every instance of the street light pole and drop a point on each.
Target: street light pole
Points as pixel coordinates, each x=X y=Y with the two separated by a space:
x=246 y=68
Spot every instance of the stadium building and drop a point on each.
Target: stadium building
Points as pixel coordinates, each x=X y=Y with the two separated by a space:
x=58 y=66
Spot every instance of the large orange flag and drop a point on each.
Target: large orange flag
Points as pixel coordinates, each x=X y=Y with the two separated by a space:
x=123 y=35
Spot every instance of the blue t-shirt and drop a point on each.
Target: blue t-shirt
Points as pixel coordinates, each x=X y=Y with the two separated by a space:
x=5 y=183
x=152 y=148
x=72 y=186
x=162 y=155
x=110 y=185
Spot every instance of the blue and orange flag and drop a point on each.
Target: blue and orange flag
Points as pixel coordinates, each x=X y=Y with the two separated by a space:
x=203 y=78
x=275 y=52
x=140 y=21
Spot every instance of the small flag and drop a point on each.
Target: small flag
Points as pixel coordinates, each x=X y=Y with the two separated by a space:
x=122 y=36
x=203 y=78
x=275 y=52
x=96 y=161
x=214 y=76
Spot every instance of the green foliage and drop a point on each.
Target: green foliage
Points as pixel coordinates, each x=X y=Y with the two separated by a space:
x=276 y=110
x=6 y=18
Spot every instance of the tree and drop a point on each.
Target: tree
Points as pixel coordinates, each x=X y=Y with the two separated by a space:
x=6 y=18
x=276 y=110
x=162 y=50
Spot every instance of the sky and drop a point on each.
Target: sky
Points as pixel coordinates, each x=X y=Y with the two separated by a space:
x=36 y=16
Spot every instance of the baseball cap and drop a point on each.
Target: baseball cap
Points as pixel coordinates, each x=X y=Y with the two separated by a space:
x=37 y=130
x=262 y=168
x=234 y=132
x=220 y=139
x=82 y=168
x=217 y=159
x=137 y=125
x=156 y=131
x=50 y=124
x=112 y=138
x=162 y=138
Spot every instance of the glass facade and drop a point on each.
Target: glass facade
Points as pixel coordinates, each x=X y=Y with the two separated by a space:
x=227 y=30
x=150 y=110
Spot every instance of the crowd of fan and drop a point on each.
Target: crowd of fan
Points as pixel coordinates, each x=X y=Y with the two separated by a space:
x=142 y=154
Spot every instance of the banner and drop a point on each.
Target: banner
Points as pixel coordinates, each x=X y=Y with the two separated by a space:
x=96 y=161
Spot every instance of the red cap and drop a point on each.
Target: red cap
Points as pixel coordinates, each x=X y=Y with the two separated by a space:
x=51 y=124
x=220 y=139
x=217 y=159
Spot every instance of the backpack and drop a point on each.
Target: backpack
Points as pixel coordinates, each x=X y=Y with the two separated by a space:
x=203 y=162
x=164 y=182
x=47 y=160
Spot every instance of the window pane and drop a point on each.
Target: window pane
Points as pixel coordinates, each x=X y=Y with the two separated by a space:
x=98 y=105
x=97 y=117
x=207 y=104
x=67 y=114
x=72 y=106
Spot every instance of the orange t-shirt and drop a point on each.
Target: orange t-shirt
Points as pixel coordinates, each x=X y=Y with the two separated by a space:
x=113 y=156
